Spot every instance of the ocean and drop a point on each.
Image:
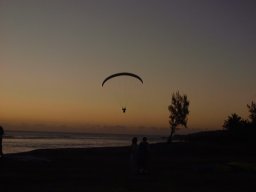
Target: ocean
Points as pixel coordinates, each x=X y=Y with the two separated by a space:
x=23 y=141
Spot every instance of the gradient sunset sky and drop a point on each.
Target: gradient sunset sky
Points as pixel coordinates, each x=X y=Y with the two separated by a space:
x=54 y=55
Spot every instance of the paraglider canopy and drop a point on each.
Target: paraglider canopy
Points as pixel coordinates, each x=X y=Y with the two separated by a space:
x=122 y=74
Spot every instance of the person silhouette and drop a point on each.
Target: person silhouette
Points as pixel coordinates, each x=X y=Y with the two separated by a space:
x=124 y=109
x=143 y=156
x=1 y=141
x=133 y=156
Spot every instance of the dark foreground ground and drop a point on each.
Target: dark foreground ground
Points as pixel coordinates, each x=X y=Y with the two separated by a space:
x=174 y=167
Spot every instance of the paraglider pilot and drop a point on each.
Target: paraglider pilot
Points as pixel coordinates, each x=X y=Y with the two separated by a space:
x=124 y=109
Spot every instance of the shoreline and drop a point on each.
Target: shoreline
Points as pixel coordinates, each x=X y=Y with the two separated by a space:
x=28 y=141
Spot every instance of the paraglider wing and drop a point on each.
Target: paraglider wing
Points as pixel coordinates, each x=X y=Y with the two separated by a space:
x=121 y=74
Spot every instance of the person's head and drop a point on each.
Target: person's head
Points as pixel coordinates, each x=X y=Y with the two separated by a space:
x=145 y=139
x=134 y=140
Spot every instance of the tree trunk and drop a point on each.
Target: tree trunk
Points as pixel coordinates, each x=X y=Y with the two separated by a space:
x=171 y=135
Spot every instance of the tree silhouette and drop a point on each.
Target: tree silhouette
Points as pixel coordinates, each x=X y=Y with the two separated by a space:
x=252 y=111
x=178 y=112
x=233 y=123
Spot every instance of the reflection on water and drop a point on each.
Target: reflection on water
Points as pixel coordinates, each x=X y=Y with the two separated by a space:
x=21 y=141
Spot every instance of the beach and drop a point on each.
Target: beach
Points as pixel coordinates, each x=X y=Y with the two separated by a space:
x=172 y=167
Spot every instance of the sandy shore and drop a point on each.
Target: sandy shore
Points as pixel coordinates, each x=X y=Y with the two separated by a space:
x=176 y=167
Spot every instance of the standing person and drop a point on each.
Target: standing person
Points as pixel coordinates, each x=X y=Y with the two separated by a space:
x=133 y=156
x=1 y=141
x=143 y=156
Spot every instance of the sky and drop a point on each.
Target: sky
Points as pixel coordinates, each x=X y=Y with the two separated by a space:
x=54 y=55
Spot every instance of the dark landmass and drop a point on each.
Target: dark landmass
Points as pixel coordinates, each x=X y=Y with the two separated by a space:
x=185 y=166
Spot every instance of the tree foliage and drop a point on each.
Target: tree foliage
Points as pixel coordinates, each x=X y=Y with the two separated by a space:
x=235 y=123
x=179 y=110
x=252 y=111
